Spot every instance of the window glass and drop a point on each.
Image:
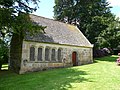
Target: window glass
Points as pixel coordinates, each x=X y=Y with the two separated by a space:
x=39 y=54
x=53 y=55
x=47 y=51
x=32 y=54
x=59 y=55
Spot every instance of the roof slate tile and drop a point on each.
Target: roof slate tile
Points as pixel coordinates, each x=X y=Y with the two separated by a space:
x=58 y=32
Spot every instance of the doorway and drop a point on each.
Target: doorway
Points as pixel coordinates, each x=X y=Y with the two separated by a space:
x=74 y=57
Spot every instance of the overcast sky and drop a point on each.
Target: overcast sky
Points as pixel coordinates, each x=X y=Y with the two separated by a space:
x=46 y=8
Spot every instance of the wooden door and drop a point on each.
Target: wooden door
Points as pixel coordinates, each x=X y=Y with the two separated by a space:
x=74 y=58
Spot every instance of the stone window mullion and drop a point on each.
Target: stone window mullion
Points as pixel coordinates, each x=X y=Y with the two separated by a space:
x=43 y=54
x=36 y=53
x=56 y=55
x=50 y=52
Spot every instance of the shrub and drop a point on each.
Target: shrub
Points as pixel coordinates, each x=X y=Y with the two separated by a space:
x=101 y=52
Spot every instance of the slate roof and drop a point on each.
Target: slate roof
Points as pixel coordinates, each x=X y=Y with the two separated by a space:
x=58 y=32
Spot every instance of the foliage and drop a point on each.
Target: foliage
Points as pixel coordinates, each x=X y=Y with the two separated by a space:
x=104 y=74
x=4 y=46
x=15 y=21
x=102 y=52
x=111 y=35
x=93 y=17
x=14 y=16
x=3 y=53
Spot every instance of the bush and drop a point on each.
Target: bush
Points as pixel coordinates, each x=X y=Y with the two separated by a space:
x=101 y=52
x=116 y=51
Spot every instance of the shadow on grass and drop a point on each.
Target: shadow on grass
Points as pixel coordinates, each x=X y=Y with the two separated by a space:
x=95 y=61
x=111 y=58
x=65 y=78
x=57 y=79
x=3 y=72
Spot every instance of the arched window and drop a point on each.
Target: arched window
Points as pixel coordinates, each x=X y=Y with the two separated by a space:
x=59 y=55
x=47 y=52
x=32 y=54
x=39 y=54
x=53 y=55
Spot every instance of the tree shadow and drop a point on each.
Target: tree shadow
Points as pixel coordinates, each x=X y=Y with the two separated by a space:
x=57 y=79
x=64 y=77
x=95 y=61
x=111 y=58
x=40 y=37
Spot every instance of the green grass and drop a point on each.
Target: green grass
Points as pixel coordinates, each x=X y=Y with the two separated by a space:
x=103 y=74
x=5 y=67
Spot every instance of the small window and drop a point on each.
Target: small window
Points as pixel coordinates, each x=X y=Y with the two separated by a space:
x=47 y=51
x=39 y=54
x=59 y=55
x=53 y=55
x=32 y=54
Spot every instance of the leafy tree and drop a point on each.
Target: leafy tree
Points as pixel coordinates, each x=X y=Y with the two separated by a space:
x=3 y=53
x=4 y=46
x=111 y=36
x=91 y=16
x=14 y=16
x=15 y=21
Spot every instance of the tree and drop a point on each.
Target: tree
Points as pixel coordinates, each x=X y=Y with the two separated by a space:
x=111 y=36
x=15 y=20
x=14 y=16
x=90 y=16
x=3 y=53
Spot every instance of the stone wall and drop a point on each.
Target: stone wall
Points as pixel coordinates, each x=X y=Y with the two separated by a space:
x=84 y=55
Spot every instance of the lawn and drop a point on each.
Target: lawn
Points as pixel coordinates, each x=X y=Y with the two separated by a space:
x=103 y=74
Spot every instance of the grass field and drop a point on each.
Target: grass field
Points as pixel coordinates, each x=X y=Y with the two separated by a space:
x=103 y=74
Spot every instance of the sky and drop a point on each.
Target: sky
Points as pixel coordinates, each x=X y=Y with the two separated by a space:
x=46 y=8
x=116 y=7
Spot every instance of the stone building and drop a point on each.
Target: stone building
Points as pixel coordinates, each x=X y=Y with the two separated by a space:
x=61 y=45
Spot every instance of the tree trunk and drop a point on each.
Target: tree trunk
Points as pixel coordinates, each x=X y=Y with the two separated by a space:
x=16 y=52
